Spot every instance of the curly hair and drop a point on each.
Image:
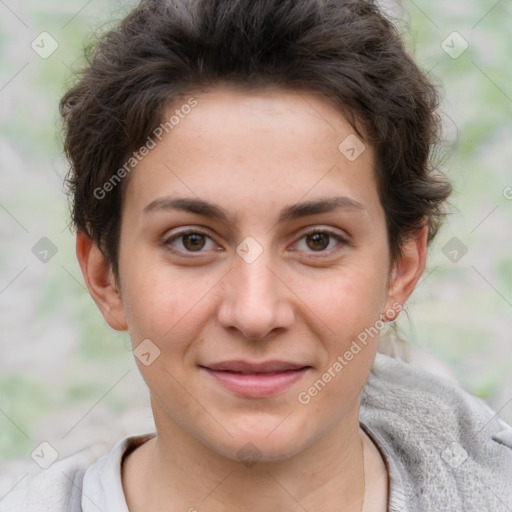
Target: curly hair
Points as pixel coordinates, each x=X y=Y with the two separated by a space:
x=163 y=50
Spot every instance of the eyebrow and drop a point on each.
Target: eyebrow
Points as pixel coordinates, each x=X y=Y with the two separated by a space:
x=295 y=211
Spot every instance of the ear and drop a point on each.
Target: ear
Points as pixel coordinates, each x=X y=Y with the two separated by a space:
x=100 y=281
x=406 y=272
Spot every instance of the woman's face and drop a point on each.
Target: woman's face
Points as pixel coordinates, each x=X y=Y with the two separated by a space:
x=244 y=306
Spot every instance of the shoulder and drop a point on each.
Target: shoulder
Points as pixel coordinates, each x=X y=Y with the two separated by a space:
x=24 y=486
x=447 y=443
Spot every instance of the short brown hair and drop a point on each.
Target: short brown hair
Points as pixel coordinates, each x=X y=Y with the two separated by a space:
x=163 y=50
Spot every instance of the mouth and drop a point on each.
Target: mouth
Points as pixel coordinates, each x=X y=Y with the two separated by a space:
x=256 y=380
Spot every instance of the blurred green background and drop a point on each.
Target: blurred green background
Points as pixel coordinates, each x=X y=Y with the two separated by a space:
x=67 y=378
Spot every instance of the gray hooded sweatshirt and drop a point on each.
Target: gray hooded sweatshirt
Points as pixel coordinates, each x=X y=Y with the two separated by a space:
x=445 y=450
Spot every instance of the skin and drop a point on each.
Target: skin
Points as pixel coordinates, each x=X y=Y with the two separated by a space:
x=251 y=153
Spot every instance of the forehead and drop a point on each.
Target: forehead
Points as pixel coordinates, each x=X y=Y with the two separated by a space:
x=242 y=147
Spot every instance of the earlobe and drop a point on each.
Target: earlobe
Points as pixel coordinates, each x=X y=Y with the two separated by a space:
x=100 y=281
x=406 y=272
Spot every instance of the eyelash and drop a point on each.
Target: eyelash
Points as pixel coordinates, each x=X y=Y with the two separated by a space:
x=167 y=242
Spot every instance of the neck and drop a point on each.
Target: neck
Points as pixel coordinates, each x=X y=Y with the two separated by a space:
x=174 y=468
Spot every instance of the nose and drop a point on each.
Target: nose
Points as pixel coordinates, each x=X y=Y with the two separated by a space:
x=256 y=299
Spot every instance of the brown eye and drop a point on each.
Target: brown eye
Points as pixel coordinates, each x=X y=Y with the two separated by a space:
x=189 y=241
x=317 y=241
x=321 y=241
x=193 y=241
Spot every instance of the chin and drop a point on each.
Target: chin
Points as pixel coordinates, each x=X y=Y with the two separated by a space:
x=264 y=444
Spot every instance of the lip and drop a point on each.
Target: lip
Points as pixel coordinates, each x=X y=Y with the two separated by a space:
x=256 y=380
x=241 y=366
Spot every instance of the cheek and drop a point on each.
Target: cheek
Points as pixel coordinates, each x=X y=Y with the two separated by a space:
x=352 y=311
x=350 y=306
x=348 y=298
x=165 y=305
